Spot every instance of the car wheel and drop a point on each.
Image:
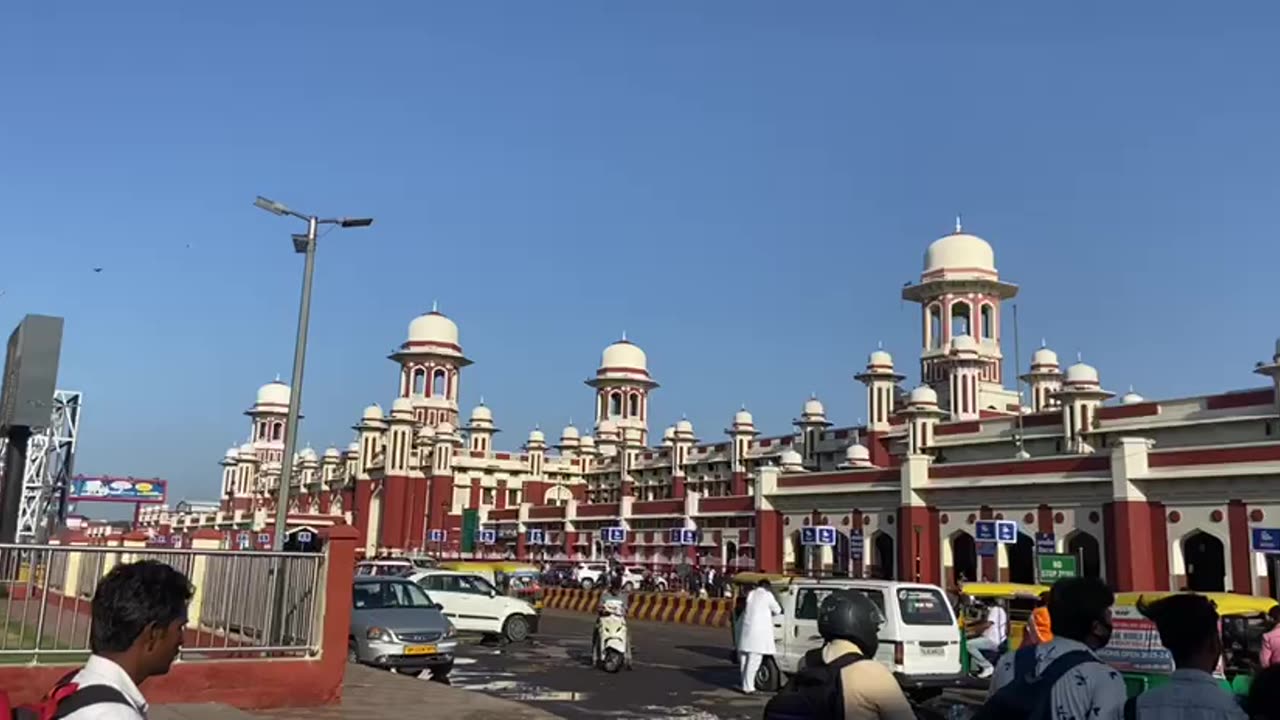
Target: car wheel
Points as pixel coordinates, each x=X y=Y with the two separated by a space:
x=587 y=584
x=516 y=628
x=353 y=655
x=768 y=677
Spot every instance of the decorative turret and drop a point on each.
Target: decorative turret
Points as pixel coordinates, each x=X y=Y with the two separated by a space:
x=856 y=456
x=269 y=415
x=810 y=424
x=570 y=441
x=1080 y=396
x=882 y=389
x=1045 y=379
x=922 y=414
x=480 y=429
x=537 y=449
x=622 y=385
x=430 y=361
x=371 y=428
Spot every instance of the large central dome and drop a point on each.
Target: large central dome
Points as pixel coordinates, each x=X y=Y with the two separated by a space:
x=959 y=252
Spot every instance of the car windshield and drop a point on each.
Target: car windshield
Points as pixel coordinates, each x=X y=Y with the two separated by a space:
x=384 y=595
x=924 y=606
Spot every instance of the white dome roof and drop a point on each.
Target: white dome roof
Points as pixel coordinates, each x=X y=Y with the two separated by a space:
x=742 y=417
x=354 y=447
x=669 y=433
x=587 y=441
x=481 y=412
x=624 y=354
x=433 y=327
x=246 y=449
x=923 y=395
x=535 y=435
x=959 y=251
x=684 y=427
x=790 y=457
x=444 y=429
x=332 y=452
x=426 y=432
x=964 y=343
x=813 y=406
x=1044 y=356
x=1082 y=373
x=232 y=452
x=857 y=453
x=373 y=412
x=308 y=454
x=1131 y=398
x=880 y=357
x=274 y=393
x=569 y=433
x=402 y=404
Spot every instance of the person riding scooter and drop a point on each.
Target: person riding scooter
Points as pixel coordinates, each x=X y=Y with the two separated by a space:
x=610 y=642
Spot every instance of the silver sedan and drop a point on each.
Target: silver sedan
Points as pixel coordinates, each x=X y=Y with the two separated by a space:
x=396 y=626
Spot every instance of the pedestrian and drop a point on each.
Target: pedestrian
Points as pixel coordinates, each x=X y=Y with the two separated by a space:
x=757 y=632
x=1188 y=627
x=139 y=615
x=1062 y=678
x=1038 y=629
x=1263 y=702
x=992 y=634
x=1270 y=653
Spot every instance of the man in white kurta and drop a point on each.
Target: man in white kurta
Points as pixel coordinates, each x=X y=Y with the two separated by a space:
x=756 y=633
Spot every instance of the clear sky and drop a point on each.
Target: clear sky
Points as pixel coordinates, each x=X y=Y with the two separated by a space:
x=743 y=187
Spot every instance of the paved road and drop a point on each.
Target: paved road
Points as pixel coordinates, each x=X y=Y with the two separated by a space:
x=681 y=671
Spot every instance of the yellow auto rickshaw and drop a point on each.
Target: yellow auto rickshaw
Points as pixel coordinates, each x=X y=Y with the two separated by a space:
x=517 y=579
x=1018 y=599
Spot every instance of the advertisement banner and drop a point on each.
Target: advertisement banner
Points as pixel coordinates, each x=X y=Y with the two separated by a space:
x=1135 y=644
x=108 y=489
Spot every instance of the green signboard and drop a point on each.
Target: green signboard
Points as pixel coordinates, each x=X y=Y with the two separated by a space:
x=1052 y=568
x=470 y=525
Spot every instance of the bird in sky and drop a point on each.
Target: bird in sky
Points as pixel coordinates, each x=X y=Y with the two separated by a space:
x=97 y=269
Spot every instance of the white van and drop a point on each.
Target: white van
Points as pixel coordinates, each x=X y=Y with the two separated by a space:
x=919 y=641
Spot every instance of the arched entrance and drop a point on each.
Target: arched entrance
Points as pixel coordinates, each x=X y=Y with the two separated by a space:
x=1022 y=560
x=840 y=566
x=731 y=554
x=1206 y=562
x=964 y=558
x=1085 y=547
x=884 y=556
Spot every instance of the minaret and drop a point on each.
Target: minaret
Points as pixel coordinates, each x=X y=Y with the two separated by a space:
x=1080 y=396
x=882 y=390
x=331 y=470
x=960 y=294
x=965 y=364
x=247 y=463
x=622 y=385
x=741 y=433
x=682 y=441
x=268 y=416
x=1044 y=380
x=922 y=414
x=1272 y=370
x=480 y=429
x=430 y=361
x=570 y=441
x=810 y=424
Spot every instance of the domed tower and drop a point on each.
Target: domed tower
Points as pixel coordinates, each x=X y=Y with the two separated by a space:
x=741 y=433
x=1045 y=379
x=922 y=414
x=269 y=414
x=882 y=389
x=622 y=387
x=1080 y=396
x=960 y=294
x=430 y=361
x=810 y=424
x=480 y=429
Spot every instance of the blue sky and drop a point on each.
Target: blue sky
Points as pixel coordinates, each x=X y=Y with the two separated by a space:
x=741 y=186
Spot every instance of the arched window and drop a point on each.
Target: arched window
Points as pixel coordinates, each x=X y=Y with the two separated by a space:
x=960 y=319
x=935 y=327
x=615 y=404
x=439 y=383
x=988 y=322
x=633 y=406
x=262 y=431
x=419 y=381
x=277 y=431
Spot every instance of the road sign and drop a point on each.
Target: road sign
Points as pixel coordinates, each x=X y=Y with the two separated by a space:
x=244 y=540
x=1052 y=568
x=682 y=536
x=1266 y=540
x=984 y=530
x=1006 y=531
x=435 y=536
x=818 y=535
x=264 y=538
x=176 y=540
x=537 y=537
x=613 y=535
x=986 y=548
x=486 y=537
x=305 y=536
x=856 y=545
x=1046 y=543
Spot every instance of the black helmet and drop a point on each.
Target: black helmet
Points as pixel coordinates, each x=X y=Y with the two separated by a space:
x=850 y=615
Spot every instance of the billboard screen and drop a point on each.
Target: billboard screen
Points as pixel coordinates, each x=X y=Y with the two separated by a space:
x=109 y=489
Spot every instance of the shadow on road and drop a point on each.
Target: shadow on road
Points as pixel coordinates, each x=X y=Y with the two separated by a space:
x=716 y=653
x=721 y=676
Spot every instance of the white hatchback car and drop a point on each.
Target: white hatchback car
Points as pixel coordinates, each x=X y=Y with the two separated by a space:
x=474 y=605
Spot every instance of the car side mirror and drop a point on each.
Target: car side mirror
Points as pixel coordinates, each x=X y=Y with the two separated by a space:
x=437 y=606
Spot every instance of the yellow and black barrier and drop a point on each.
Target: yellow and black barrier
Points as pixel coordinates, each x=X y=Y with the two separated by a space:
x=658 y=607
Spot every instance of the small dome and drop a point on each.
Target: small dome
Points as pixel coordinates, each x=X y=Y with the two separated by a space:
x=857 y=453
x=246 y=449
x=535 y=435
x=353 y=448
x=274 y=393
x=813 y=406
x=232 y=452
x=790 y=457
x=1081 y=373
x=964 y=343
x=433 y=327
x=587 y=441
x=669 y=433
x=444 y=429
x=879 y=358
x=1131 y=398
x=373 y=412
x=1044 y=356
x=569 y=433
x=402 y=405
x=332 y=452
x=624 y=355
x=959 y=251
x=426 y=432
x=481 y=412
x=743 y=418
x=923 y=395
x=308 y=454
x=684 y=427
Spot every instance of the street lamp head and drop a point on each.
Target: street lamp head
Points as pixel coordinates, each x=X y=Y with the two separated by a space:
x=270 y=206
x=355 y=222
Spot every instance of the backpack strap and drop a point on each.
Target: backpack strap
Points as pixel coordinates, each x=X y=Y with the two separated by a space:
x=1024 y=663
x=1065 y=664
x=845 y=661
x=87 y=696
x=1131 y=708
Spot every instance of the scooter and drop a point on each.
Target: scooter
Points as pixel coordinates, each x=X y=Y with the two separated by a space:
x=612 y=649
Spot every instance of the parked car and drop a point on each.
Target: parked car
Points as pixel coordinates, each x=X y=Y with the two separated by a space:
x=386 y=567
x=474 y=605
x=633 y=578
x=396 y=626
x=590 y=575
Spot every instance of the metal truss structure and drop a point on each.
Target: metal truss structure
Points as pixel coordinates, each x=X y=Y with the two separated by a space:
x=46 y=477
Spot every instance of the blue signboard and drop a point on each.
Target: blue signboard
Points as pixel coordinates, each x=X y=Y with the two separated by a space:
x=682 y=536
x=1266 y=540
x=986 y=548
x=826 y=535
x=244 y=541
x=176 y=540
x=1006 y=531
x=264 y=538
x=109 y=489
x=855 y=545
x=486 y=537
x=808 y=536
x=537 y=537
x=1046 y=543
x=613 y=535
x=984 y=530
x=435 y=536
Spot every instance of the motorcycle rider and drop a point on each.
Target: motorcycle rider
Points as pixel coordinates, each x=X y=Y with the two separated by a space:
x=849 y=622
x=615 y=594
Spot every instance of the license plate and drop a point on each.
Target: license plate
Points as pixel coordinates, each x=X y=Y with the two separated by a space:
x=932 y=651
x=420 y=650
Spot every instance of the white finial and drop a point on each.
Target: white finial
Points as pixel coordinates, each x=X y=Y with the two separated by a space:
x=277 y=377
x=570 y=419
x=624 y=336
x=959 y=228
x=684 y=416
x=1044 y=343
x=435 y=306
x=744 y=406
x=1079 y=356
x=879 y=344
x=1131 y=387
x=482 y=400
x=813 y=396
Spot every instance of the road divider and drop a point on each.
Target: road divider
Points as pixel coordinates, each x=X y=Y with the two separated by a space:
x=658 y=607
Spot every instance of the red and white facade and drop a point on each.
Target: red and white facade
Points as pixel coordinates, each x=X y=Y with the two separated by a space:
x=1152 y=494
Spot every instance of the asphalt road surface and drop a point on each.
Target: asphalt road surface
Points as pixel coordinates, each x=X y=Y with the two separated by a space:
x=681 y=671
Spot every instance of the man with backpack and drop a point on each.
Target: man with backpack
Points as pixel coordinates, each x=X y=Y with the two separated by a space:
x=139 y=617
x=842 y=678
x=1062 y=679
